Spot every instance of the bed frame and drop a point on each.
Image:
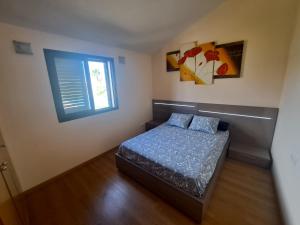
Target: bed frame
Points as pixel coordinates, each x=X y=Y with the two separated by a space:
x=249 y=126
x=190 y=205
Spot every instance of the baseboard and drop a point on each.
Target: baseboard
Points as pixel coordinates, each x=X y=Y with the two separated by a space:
x=53 y=179
x=280 y=198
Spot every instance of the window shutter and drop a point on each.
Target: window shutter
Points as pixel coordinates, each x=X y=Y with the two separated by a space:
x=72 y=85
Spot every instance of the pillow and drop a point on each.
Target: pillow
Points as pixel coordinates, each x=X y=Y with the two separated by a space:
x=180 y=120
x=223 y=126
x=205 y=124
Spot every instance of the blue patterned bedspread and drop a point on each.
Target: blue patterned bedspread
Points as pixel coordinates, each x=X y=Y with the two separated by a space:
x=184 y=158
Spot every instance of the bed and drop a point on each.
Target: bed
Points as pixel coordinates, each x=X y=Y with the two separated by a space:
x=180 y=165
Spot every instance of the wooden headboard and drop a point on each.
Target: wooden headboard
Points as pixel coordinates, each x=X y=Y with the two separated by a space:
x=249 y=125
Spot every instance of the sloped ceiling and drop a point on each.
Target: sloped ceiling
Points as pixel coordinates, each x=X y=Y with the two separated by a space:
x=140 y=25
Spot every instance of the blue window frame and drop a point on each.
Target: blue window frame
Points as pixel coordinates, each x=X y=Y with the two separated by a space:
x=82 y=85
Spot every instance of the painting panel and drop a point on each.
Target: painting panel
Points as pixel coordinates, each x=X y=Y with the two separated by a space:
x=228 y=62
x=205 y=63
x=187 y=62
x=172 y=61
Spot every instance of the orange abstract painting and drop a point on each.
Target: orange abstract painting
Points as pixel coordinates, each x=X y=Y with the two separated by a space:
x=204 y=62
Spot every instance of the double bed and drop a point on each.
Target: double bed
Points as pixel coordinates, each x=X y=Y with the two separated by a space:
x=180 y=165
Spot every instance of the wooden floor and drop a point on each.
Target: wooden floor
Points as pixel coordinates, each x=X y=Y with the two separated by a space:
x=98 y=194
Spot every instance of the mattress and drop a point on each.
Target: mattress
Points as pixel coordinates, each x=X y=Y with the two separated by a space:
x=184 y=158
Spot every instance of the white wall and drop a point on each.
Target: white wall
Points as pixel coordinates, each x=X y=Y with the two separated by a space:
x=40 y=146
x=285 y=149
x=265 y=25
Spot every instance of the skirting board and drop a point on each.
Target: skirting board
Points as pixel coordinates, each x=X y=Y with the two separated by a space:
x=53 y=179
x=280 y=197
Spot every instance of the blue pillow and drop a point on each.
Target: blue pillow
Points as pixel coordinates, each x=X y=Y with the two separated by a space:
x=205 y=124
x=180 y=120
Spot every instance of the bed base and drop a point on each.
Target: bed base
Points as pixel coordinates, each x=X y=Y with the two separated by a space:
x=186 y=203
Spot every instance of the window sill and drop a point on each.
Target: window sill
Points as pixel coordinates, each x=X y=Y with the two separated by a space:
x=74 y=116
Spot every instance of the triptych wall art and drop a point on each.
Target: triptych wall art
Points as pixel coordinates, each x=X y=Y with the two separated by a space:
x=202 y=63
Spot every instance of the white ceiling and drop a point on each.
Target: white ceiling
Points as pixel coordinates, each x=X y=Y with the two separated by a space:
x=141 y=25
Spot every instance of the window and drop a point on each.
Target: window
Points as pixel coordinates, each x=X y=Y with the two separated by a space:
x=82 y=85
